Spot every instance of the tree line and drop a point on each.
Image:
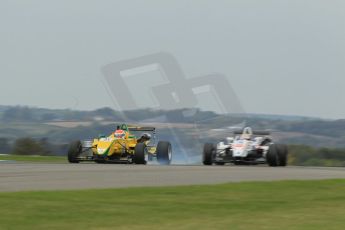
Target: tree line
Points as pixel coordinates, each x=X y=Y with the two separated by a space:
x=31 y=146
x=302 y=155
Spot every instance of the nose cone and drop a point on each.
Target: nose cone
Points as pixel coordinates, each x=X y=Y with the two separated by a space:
x=103 y=147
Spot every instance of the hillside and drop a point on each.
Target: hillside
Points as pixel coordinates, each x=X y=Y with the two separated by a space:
x=64 y=125
x=188 y=130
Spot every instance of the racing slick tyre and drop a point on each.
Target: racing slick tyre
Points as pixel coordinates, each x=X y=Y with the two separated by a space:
x=164 y=153
x=207 y=157
x=219 y=163
x=74 y=150
x=272 y=156
x=282 y=155
x=139 y=154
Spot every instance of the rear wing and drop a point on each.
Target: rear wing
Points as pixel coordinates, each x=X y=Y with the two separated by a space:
x=255 y=133
x=142 y=129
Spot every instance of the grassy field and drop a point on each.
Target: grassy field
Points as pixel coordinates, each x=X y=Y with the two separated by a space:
x=260 y=205
x=37 y=159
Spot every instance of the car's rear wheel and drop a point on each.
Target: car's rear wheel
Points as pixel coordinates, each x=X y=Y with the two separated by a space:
x=207 y=158
x=139 y=154
x=272 y=156
x=74 y=151
x=164 y=153
x=282 y=155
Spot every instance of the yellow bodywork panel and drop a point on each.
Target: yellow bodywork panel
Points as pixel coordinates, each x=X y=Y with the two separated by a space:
x=112 y=145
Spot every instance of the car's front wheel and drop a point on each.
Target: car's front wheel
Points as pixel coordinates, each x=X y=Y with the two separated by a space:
x=282 y=154
x=277 y=155
x=272 y=156
x=74 y=151
x=139 y=154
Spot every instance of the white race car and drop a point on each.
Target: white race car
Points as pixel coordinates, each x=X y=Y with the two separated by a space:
x=246 y=148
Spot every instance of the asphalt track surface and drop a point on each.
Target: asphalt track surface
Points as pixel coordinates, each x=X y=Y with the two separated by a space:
x=30 y=177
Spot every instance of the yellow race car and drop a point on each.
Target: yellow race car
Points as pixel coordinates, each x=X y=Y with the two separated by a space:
x=122 y=146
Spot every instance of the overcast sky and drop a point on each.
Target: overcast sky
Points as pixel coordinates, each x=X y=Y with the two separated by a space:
x=281 y=57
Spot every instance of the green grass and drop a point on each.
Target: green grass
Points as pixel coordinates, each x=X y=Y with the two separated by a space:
x=260 y=205
x=37 y=159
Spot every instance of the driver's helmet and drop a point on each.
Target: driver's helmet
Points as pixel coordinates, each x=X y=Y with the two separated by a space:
x=120 y=134
x=124 y=127
x=146 y=136
x=247 y=133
